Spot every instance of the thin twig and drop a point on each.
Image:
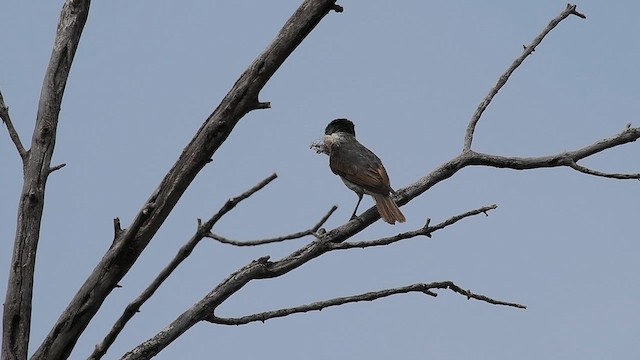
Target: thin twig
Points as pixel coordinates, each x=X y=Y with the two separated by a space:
x=468 y=138
x=131 y=309
x=426 y=230
x=13 y=133
x=298 y=235
x=572 y=164
x=370 y=296
x=453 y=287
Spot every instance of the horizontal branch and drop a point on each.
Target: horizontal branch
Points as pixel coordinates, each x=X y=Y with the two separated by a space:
x=502 y=80
x=297 y=235
x=101 y=349
x=568 y=158
x=57 y=167
x=370 y=296
x=572 y=164
x=426 y=230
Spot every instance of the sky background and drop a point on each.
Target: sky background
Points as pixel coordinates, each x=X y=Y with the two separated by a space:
x=410 y=75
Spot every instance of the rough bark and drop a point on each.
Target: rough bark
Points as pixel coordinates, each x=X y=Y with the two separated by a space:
x=36 y=169
x=130 y=243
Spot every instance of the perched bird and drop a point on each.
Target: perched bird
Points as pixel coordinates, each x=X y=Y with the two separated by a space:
x=360 y=169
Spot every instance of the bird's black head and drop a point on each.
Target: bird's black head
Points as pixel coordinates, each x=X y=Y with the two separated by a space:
x=340 y=125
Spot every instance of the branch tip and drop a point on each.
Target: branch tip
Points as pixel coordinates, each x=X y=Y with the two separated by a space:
x=572 y=10
x=57 y=167
x=337 y=8
x=263 y=105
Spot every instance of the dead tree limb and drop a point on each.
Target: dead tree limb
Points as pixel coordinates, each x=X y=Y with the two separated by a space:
x=426 y=230
x=262 y=268
x=16 y=319
x=369 y=296
x=184 y=252
x=13 y=133
x=297 y=235
x=258 y=269
x=502 y=80
x=241 y=99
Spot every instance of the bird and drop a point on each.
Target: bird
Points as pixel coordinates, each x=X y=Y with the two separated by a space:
x=360 y=169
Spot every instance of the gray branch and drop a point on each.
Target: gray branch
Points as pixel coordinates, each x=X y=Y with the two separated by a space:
x=129 y=244
x=13 y=133
x=426 y=230
x=572 y=164
x=262 y=268
x=297 y=235
x=36 y=166
x=528 y=50
x=184 y=252
x=370 y=296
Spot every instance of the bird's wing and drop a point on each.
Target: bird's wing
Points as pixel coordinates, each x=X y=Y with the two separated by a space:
x=359 y=165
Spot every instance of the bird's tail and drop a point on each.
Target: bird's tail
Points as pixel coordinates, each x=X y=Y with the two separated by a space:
x=388 y=209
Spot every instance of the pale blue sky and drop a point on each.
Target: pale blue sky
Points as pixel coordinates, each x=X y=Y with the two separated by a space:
x=409 y=74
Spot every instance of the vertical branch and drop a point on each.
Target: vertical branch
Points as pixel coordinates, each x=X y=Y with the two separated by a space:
x=17 y=307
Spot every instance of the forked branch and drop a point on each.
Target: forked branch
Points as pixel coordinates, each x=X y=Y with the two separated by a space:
x=184 y=252
x=263 y=268
x=370 y=296
x=569 y=158
x=241 y=99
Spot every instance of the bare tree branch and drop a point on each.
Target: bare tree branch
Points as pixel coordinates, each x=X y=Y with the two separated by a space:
x=57 y=167
x=241 y=99
x=426 y=230
x=184 y=252
x=36 y=164
x=370 y=296
x=263 y=268
x=563 y=159
x=468 y=138
x=470 y=295
x=572 y=164
x=13 y=134
x=297 y=235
